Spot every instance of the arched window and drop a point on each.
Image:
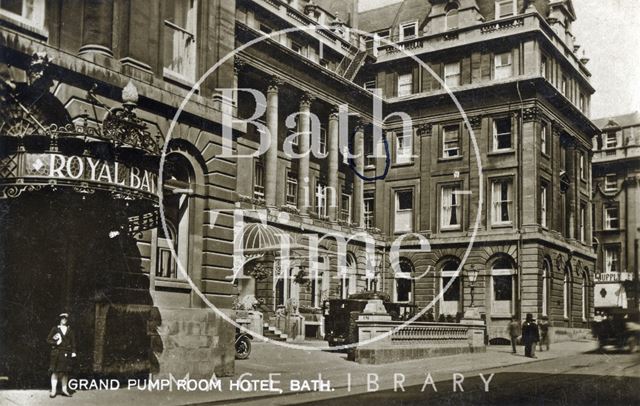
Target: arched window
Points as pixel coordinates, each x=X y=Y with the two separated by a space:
x=451 y=18
x=450 y=303
x=177 y=214
x=404 y=281
x=546 y=286
x=503 y=282
x=348 y=277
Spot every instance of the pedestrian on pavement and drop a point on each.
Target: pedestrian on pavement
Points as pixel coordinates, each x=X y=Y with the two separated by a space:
x=543 y=325
x=63 y=351
x=514 y=332
x=530 y=336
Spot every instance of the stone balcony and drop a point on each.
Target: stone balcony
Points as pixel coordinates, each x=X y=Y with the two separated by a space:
x=481 y=32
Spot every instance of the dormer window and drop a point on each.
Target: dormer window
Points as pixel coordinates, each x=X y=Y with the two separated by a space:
x=408 y=30
x=451 y=18
x=505 y=8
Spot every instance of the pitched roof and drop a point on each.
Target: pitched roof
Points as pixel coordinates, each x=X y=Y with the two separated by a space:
x=623 y=120
x=379 y=18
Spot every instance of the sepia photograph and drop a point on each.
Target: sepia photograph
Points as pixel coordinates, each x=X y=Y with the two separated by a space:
x=319 y=202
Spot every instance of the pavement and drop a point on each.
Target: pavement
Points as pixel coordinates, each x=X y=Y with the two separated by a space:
x=593 y=378
x=304 y=375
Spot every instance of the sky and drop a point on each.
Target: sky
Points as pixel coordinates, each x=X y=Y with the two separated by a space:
x=609 y=33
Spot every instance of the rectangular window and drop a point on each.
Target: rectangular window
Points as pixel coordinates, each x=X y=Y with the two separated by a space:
x=503 y=66
x=610 y=182
x=369 y=157
x=452 y=74
x=563 y=158
x=265 y=29
x=345 y=208
x=408 y=30
x=323 y=141
x=405 y=84
x=451 y=141
x=297 y=48
x=501 y=191
x=180 y=40
x=611 y=217
x=377 y=40
x=321 y=199
x=404 y=147
x=610 y=141
x=505 y=8
x=583 y=165
x=611 y=259
x=563 y=86
x=544 y=66
x=543 y=204
x=29 y=12
x=450 y=212
x=403 y=211
x=166 y=264
x=502 y=134
x=369 y=85
x=582 y=223
x=258 y=180
x=543 y=139
x=292 y=188
x=369 y=207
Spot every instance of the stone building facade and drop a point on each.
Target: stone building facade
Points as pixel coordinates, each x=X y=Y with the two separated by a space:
x=615 y=208
x=525 y=94
x=509 y=201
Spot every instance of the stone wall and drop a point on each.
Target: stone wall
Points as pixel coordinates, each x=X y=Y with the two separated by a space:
x=197 y=342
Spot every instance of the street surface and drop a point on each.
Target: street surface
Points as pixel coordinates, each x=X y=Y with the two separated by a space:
x=570 y=374
x=585 y=379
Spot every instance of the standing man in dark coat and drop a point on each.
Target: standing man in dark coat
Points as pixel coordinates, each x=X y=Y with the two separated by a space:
x=63 y=351
x=514 y=332
x=530 y=336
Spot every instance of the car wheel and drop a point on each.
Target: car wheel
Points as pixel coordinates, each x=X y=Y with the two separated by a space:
x=632 y=344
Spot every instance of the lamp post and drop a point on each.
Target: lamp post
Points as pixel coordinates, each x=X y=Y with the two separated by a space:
x=472 y=314
x=472 y=274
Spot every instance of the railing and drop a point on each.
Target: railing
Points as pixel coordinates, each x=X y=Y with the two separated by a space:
x=389 y=334
x=430 y=332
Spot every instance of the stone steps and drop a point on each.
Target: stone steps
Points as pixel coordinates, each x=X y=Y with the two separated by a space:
x=273 y=333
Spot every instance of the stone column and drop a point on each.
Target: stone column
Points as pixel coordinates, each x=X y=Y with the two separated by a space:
x=304 y=125
x=97 y=28
x=271 y=157
x=333 y=138
x=238 y=66
x=358 y=183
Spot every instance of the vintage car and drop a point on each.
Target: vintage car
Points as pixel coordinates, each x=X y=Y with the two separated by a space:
x=340 y=315
x=619 y=329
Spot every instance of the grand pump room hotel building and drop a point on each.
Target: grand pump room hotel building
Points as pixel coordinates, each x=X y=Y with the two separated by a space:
x=89 y=89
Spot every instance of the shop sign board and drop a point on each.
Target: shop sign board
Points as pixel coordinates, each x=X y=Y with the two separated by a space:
x=87 y=169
